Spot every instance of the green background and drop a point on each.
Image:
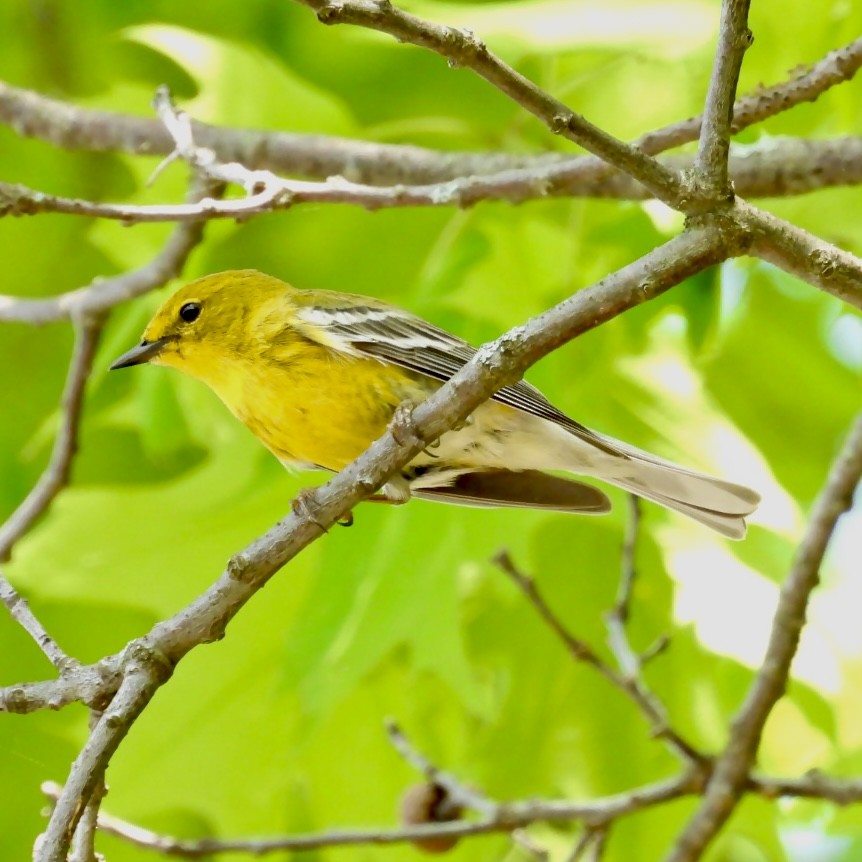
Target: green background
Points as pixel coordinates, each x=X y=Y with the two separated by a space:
x=279 y=727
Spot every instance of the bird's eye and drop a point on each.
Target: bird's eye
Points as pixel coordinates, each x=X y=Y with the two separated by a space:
x=190 y=312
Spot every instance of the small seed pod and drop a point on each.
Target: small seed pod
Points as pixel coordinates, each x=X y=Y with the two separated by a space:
x=430 y=803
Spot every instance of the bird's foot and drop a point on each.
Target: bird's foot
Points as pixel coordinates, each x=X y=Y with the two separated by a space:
x=402 y=427
x=304 y=505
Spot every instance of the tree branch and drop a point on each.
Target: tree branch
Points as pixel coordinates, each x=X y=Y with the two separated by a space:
x=772 y=168
x=598 y=814
x=495 y=365
x=734 y=37
x=512 y=815
x=320 y=156
x=630 y=683
x=103 y=294
x=21 y=613
x=144 y=672
x=729 y=777
x=56 y=475
x=802 y=254
x=806 y=84
x=93 y=685
x=463 y=48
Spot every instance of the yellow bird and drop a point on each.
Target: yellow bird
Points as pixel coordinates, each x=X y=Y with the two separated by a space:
x=317 y=376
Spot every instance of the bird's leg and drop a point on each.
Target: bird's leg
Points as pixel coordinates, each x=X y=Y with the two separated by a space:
x=396 y=492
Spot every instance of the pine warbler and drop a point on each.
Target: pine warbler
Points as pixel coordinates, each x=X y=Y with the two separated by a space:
x=318 y=375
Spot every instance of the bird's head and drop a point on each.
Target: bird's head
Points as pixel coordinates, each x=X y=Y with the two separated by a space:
x=209 y=320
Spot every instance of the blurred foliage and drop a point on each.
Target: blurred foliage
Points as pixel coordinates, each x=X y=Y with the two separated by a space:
x=279 y=727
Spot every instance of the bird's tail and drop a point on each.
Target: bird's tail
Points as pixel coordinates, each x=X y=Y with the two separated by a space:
x=714 y=502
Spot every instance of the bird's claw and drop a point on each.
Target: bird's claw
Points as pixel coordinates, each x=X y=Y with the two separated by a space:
x=304 y=505
x=402 y=427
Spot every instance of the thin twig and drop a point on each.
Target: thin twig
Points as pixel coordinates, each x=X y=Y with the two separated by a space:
x=320 y=156
x=463 y=48
x=102 y=294
x=773 y=167
x=56 y=474
x=617 y=617
x=514 y=815
x=599 y=845
x=806 y=84
x=456 y=791
x=526 y=842
x=21 y=613
x=731 y=772
x=630 y=684
x=813 y=785
x=734 y=37
x=600 y=813
x=582 y=845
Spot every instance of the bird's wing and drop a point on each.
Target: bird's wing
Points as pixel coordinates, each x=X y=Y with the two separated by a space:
x=389 y=334
x=527 y=489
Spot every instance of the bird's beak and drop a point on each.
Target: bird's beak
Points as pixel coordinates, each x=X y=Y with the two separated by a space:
x=139 y=354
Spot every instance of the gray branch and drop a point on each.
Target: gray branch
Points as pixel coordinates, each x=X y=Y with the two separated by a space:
x=734 y=37
x=320 y=156
x=102 y=293
x=731 y=773
x=56 y=475
x=494 y=366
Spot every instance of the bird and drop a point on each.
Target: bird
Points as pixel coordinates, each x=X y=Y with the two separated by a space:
x=317 y=375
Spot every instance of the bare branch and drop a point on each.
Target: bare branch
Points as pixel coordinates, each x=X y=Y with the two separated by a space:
x=93 y=685
x=495 y=365
x=512 y=815
x=463 y=48
x=144 y=672
x=84 y=840
x=21 y=613
x=455 y=790
x=17 y=200
x=813 y=785
x=774 y=167
x=734 y=37
x=618 y=616
x=56 y=475
x=103 y=294
x=802 y=254
x=728 y=780
x=601 y=813
x=806 y=84
x=320 y=156
x=630 y=683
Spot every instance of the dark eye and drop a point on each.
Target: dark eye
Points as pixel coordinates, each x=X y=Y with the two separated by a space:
x=190 y=312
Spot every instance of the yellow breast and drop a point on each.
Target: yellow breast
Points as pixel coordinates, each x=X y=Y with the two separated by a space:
x=308 y=404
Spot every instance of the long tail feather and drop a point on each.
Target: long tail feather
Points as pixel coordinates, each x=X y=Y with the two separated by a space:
x=714 y=502
x=729 y=525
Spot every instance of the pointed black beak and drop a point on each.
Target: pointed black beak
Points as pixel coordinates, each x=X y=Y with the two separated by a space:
x=139 y=354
